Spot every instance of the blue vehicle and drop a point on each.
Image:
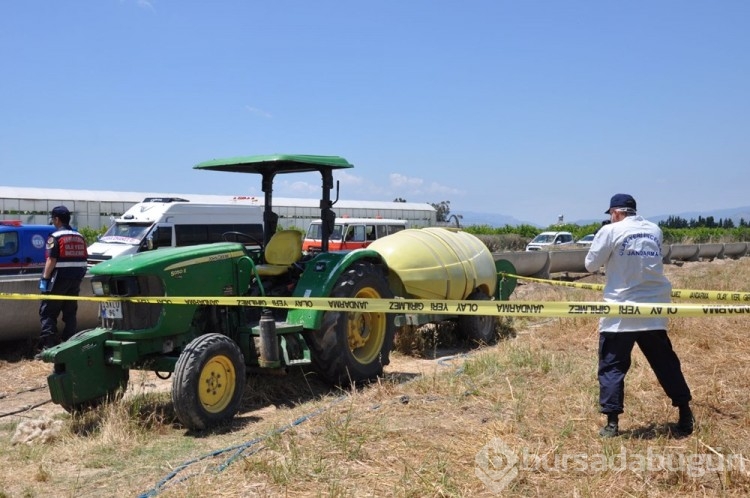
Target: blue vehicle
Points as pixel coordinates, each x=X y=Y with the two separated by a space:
x=22 y=247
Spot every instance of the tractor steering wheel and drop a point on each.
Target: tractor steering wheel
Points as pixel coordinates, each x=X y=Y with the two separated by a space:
x=239 y=236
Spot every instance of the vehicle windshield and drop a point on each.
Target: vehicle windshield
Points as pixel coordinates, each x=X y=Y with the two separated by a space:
x=315 y=232
x=588 y=238
x=544 y=238
x=126 y=233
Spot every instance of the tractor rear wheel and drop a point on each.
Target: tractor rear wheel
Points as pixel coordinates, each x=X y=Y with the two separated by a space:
x=354 y=345
x=480 y=329
x=209 y=381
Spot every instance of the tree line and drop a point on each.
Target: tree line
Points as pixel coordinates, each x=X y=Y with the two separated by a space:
x=701 y=222
x=676 y=230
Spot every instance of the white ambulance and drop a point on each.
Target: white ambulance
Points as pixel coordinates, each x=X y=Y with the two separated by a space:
x=351 y=233
x=159 y=222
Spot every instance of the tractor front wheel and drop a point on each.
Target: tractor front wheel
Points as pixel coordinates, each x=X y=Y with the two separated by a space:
x=208 y=383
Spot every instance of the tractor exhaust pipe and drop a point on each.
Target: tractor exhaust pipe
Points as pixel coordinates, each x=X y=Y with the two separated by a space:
x=269 y=343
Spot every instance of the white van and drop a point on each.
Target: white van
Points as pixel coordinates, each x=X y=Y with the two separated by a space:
x=170 y=222
x=351 y=233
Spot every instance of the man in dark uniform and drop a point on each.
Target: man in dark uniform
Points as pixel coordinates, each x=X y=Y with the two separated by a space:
x=62 y=275
x=630 y=248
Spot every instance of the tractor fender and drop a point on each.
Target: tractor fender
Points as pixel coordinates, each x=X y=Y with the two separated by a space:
x=319 y=278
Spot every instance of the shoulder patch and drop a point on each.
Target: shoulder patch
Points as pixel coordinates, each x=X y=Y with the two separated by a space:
x=50 y=242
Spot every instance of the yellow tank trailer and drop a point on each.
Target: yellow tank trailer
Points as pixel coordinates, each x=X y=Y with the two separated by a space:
x=437 y=263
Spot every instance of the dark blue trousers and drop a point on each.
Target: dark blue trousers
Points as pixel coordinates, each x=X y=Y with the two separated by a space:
x=49 y=310
x=614 y=362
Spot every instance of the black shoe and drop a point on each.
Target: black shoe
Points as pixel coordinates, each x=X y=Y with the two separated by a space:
x=45 y=343
x=609 y=430
x=40 y=352
x=686 y=422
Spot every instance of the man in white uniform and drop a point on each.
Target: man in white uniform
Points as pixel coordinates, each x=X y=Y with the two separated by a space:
x=630 y=250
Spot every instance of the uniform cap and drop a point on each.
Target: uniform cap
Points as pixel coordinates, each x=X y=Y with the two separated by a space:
x=621 y=201
x=59 y=211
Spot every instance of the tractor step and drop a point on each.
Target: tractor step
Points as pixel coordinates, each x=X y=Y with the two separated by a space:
x=282 y=328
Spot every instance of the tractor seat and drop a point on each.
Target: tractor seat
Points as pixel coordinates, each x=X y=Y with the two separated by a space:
x=283 y=250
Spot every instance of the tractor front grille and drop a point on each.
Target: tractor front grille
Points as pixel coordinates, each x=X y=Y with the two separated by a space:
x=139 y=316
x=135 y=316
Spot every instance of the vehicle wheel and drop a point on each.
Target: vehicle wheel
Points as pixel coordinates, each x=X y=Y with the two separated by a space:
x=480 y=329
x=208 y=383
x=353 y=346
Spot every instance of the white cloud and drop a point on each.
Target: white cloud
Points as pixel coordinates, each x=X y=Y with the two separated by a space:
x=258 y=112
x=143 y=4
x=417 y=186
x=436 y=188
x=349 y=179
x=301 y=188
x=358 y=187
x=401 y=181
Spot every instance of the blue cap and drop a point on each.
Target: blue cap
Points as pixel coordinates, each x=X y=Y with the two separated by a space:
x=621 y=201
x=59 y=211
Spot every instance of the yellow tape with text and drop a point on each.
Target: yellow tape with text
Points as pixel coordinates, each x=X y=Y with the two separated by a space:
x=421 y=306
x=730 y=296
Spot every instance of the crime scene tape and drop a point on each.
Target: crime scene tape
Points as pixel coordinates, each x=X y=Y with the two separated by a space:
x=737 y=297
x=431 y=306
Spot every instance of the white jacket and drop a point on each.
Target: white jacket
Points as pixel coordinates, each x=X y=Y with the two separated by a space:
x=630 y=251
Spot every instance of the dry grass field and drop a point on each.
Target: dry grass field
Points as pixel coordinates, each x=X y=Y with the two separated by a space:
x=516 y=419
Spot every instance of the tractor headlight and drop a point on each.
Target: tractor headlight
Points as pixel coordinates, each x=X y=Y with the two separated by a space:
x=97 y=288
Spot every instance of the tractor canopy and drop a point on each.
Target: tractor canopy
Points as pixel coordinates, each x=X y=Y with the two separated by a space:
x=275 y=164
x=269 y=166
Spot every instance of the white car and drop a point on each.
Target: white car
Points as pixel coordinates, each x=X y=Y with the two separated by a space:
x=586 y=240
x=547 y=240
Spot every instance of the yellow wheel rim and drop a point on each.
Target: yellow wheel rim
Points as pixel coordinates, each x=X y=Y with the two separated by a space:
x=366 y=331
x=217 y=384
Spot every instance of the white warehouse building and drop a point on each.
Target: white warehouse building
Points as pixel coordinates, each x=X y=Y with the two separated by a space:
x=97 y=208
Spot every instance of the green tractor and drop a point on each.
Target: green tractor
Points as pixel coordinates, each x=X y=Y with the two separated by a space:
x=208 y=348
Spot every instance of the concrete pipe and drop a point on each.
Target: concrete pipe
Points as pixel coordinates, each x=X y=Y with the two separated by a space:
x=21 y=317
x=710 y=251
x=736 y=250
x=683 y=252
x=572 y=261
x=666 y=250
x=527 y=263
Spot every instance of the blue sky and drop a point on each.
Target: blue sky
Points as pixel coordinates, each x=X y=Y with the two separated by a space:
x=526 y=108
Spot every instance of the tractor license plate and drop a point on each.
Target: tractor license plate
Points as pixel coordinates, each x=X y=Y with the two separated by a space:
x=111 y=309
